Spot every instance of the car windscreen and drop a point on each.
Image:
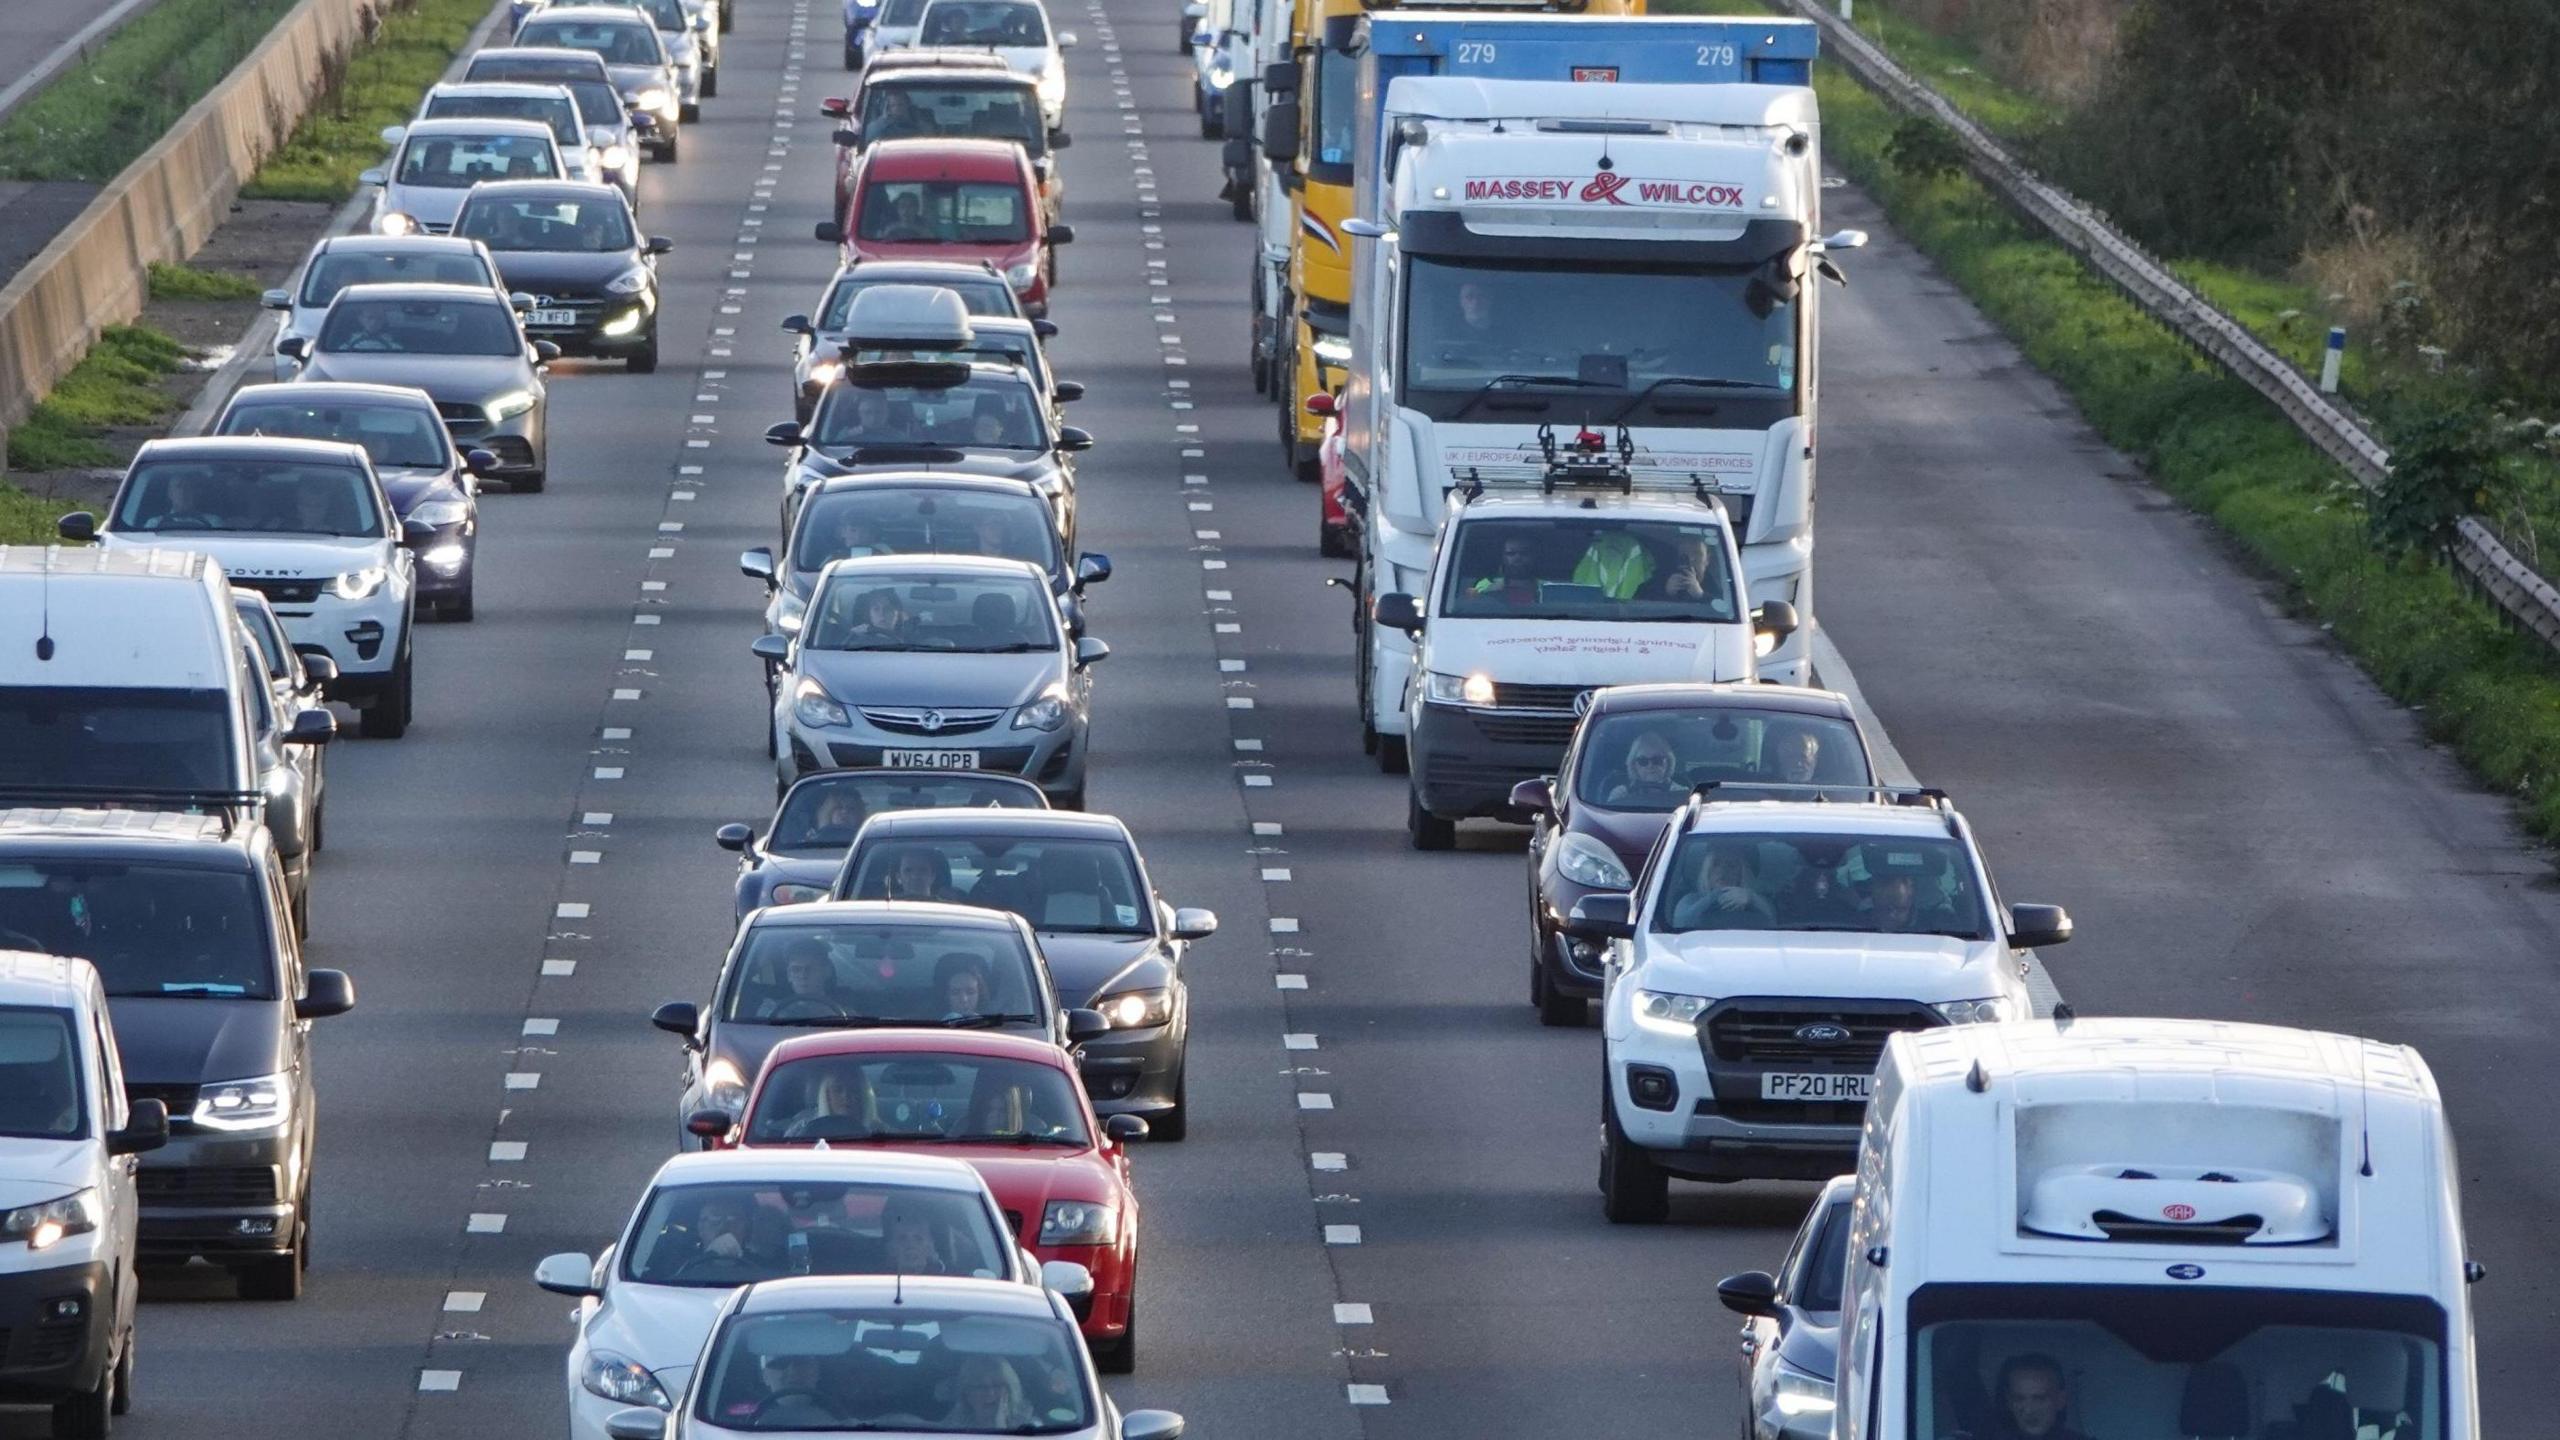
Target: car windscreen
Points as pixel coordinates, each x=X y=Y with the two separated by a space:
x=911 y=1368
x=722 y=1235
x=880 y=519
x=994 y=411
x=566 y=225
x=986 y=110
x=821 y=814
x=40 y=1075
x=1008 y=24
x=337 y=269
x=635 y=43
x=403 y=436
x=115 y=739
x=918 y=1099
x=180 y=497
x=1651 y=760
x=1900 y=885
x=598 y=102
x=421 y=327
x=561 y=115
x=944 y=212
x=1587 y=567
x=980 y=294
x=919 y=972
x=964 y=613
x=458 y=162
x=150 y=928
x=1058 y=883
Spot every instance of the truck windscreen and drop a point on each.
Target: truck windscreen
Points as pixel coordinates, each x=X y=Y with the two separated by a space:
x=1698 y=340
x=1336 y=102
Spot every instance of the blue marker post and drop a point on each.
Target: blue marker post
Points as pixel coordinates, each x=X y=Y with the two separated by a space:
x=2331 y=358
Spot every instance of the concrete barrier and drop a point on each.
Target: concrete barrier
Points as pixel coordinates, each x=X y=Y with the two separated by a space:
x=96 y=273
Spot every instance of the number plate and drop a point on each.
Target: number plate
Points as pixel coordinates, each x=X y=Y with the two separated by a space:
x=551 y=317
x=1817 y=1087
x=929 y=759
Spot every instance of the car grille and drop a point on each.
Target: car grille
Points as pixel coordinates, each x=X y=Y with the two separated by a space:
x=181 y=1099
x=282 y=592
x=1767 y=1036
x=456 y=412
x=1555 y=731
x=207 y=1185
x=37 y=1347
x=952 y=722
x=1536 y=697
x=514 y=452
x=1008 y=758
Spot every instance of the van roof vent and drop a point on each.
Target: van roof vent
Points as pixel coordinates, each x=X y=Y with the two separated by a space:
x=2176 y=1205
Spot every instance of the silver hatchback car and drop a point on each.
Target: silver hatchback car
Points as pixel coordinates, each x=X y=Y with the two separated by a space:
x=941 y=662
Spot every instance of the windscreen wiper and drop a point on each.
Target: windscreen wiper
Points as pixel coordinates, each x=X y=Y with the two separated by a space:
x=986 y=1022
x=1682 y=382
x=1504 y=381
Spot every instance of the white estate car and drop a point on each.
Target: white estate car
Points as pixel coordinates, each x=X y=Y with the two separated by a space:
x=1768 y=951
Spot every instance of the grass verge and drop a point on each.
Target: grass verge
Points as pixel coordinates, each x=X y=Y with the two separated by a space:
x=26 y=519
x=116 y=383
x=380 y=86
x=94 y=118
x=187 y=282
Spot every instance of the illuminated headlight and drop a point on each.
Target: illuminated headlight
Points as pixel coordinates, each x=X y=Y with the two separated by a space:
x=629 y=282
x=789 y=611
x=1333 y=350
x=624 y=323
x=1586 y=861
x=357 y=584
x=824 y=373
x=1976 y=1012
x=260 y=1104
x=1052 y=85
x=653 y=98
x=1137 y=1009
x=1669 y=1013
x=615 y=157
x=796 y=894
x=1046 y=713
x=723 y=1088
x=509 y=405
x=44 y=1225
x=1021 y=276
x=1803 y=1396
x=1474 y=689
x=393 y=222
x=1078 y=1222
x=816 y=708
x=623 y=1380
x=445 y=558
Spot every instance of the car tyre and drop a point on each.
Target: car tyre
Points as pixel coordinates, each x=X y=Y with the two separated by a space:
x=1393 y=759
x=852 y=58
x=673 y=149
x=460 y=610
x=644 y=361
x=320 y=823
x=123 y=1402
x=1174 y=1124
x=387 y=718
x=688 y=114
x=1428 y=831
x=88 y=1415
x=1556 y=1009
x=1332 y=541
x=1212 y=123
x=1119 y=1357
x=1240 y=202
x=1287 y=394
x=1633 y=1190
x=529 y=483
x=711 y=83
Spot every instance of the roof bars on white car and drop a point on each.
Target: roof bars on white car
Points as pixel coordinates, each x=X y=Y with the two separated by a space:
x=1821 y=791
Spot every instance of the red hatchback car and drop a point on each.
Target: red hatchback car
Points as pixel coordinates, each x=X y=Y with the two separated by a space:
x=965 y=200
x=1009 y=1105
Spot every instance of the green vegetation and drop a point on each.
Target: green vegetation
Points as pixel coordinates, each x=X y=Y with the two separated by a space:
x=94 y=118
x=377 y=87
x=25 y=519
x=187 y=282
x=116 y=383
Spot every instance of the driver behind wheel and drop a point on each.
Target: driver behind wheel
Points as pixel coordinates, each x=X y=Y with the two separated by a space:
x=809 y=984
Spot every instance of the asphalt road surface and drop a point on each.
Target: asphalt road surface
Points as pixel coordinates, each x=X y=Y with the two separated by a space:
x=1385 y=1223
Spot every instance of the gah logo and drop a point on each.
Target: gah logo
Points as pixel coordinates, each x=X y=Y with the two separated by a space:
x=2180 y=1212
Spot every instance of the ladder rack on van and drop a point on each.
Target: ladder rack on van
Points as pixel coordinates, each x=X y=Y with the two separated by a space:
x=1590 y=461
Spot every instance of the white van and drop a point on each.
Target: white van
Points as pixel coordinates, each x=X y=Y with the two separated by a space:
x=2155 y=1227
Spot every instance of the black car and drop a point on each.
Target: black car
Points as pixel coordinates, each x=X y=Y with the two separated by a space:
x=1111 y=940
x=817 y=356
x=1791 y=1324
x=429 y=482
x=578 y=251
x=186 y=919
x=1636 y=754
x=795 y=861
x=794 y=968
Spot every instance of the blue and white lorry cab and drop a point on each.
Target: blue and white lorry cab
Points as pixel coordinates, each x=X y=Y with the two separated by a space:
x=1529 y=250
x=2155 y=1227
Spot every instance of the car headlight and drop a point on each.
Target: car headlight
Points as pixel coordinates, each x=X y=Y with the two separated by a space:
x=815 y=707
x=394 y=222
x=823 y=373
x=1586 y=861
x=623 y=1380
x=1670 y=1013
x=1333 y=350
x=510 y=405
x=357 y=584
x=1802 y=1396
x=615 y=157
x=629 y=282
x=653 y=98
x=1976 y=1012
x=1136 y=1009
x=796 y=894
x=1046 y=713
x=1021 y=276
x=259 y=1104
x=789 y=611
x=45 y=1224
x=723 y=1087
x=627 y=321
x=1474 y=689
x=1052 y=84
x=1079 y=1222
x=441 y=513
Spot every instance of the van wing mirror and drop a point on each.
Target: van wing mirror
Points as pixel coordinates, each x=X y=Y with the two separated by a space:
x=325 y=993
x=2034 y=927
x=1397 y=611
x=1753 y=1292
x=1280 y=132
x=146 y=1128
x=312 y=727
x=1602 y=917
x=757 y=564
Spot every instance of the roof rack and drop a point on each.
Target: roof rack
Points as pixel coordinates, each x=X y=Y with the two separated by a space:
x=1590 y=460
x=226 y=805
x=1917 y=795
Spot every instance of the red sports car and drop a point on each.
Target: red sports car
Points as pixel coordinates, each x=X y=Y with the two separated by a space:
x=1012 y=1107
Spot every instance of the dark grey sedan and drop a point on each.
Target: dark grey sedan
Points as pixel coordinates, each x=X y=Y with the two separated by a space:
x=795 y=861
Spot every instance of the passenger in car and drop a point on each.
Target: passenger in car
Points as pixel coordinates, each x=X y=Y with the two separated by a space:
x=1653 y=774
x=1728 y=895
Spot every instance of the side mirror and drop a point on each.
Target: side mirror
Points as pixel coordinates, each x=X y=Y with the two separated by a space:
x=1538 y=797
x=1143 y=1425
x=1193 y=923
x=416 y=532
x=312 y=727
x=848 y=136
x=1067 y=392
x=369 y=177
x=679 y=1017
x=1280 y=78
x=2033 y=927
x=710 y=1124
x=568 y=1273
x=1074 y=441
x=757 y=564
x=1753 y=1292
x=1200 y=35
x=479 y=462
x=1124 y=1128
x=776 y=648
x=1322 y=403
x=798 y=325
x=1844 y=240
x=394 y=134
x=660 y=245
x=1092 y=570
x=545 y=351
x=1360 y=227
x=1090 y=651
x=835 y=105
x=1066 y=39
x=786 y=434
x=79 y=525
x=641 y=119
x=1060 y=234
x=325 y=993
x=1398 y=611
x=1072 y=1282
x=317 y=667
x=1771 y=624
x=1045 y=329
x=1602 y=917
x=146 y=1129
x=1083 y=1025
x=1235 y=153
x=1060 y=139
x=276 y=300
x=638 y=1424
x=519 y=300
x=732 y=836
x=829 y=231
x=294 y=347
x=1280 y=132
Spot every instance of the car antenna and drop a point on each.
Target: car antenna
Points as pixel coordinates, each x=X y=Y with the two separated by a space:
x=2364 y=1113
x=898 y=1290
x=2063 y=1015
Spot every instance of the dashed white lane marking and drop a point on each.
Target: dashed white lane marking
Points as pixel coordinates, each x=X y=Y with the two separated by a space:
x=1289 y=982
x=524 y=1080
x=608 y=772
x=559 y=969
x=1229 y=627
x=1239 y=702
x=1220 y=594
x=1314 y=1100
x=652 y=587
x=1258 y=782
x=1298 y=1040
x=645 y=619
x=639 y=654
x=1328 y=1161
x=464 y=1302
x=661 y=552
x=599 y=817
x=1284 y=925
x=1353 y=1314
x=506 y=1151
x=1213 y=564
x=570 y=910
x=541 y=1026
x=1342 y=1234
x=483 y=1222
x=616 y=732
x=1365 y=1394
x=439 y=1380
x=1275 y=873
x=1207 y=535
x=705 y=420
x=1249 y=747
x=626 y=693
x=1266 y=827
x=1201 y=507
x=586 y=857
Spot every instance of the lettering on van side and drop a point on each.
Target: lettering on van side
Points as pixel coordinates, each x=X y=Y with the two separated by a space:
x=1604 y=187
